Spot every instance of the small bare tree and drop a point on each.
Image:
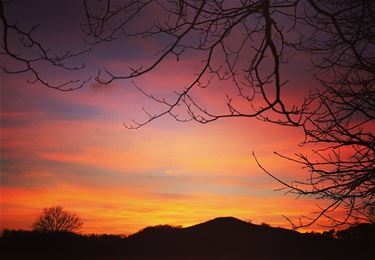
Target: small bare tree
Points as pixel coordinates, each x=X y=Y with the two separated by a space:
x=56 y=219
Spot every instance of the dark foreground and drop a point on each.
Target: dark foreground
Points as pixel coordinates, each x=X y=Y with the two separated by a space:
x=221 y=238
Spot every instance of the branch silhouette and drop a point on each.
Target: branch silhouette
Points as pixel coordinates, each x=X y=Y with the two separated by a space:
x=247 y=44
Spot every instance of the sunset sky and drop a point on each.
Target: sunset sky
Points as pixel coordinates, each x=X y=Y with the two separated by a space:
x=71 y=148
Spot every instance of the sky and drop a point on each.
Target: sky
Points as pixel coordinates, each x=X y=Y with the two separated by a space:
x=71 y=148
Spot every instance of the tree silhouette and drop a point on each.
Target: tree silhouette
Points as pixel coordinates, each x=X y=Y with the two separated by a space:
x=247 y=44
x=56 y=219
x=342 y=119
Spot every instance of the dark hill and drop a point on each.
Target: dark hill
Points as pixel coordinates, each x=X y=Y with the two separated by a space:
x=231 y=238
x=220 y=238
x=224 y=223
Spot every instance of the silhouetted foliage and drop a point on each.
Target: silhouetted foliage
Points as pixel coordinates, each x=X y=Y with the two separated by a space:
x=158 y=229
x=221 y=238
x=331 y=233
x=361 y=232
x=248 y=44
x=56 y=219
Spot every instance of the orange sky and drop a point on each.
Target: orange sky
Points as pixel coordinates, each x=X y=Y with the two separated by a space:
x=71 y=149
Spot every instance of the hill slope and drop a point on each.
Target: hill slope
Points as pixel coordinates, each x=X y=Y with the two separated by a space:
x=232 y=238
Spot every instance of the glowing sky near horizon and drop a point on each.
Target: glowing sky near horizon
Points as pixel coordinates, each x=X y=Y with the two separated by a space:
x=71 y=149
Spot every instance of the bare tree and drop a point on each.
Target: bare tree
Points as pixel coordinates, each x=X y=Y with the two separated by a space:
x=338 y=116
x=56 y=219
x=343 y=167
x=207 y=29
x=342 y=119
x=248 y=43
